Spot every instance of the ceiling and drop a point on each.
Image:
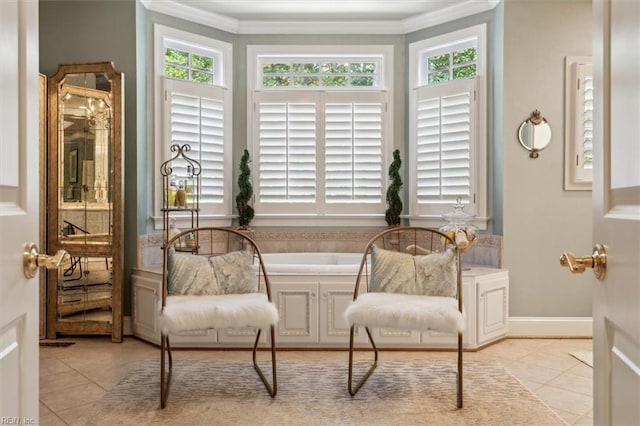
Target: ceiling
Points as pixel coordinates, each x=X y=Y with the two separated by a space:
x=319 y=16
x=335 y=10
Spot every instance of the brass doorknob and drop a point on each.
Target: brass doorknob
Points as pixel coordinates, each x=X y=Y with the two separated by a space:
x=32 y=260
x=597 y=261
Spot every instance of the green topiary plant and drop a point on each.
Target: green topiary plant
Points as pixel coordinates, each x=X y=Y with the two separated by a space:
x=245 y=211
x=394 y=203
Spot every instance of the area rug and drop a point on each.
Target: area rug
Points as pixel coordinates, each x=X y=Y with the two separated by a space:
x=586 y=357
x=398 y=393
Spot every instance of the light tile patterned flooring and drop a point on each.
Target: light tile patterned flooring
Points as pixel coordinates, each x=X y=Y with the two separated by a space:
x=72 y=378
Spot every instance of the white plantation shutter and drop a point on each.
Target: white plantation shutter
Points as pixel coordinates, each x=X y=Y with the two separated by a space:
x=584 y=123
x=196 y=116
x=444 y=131
x=287 y=152
x=319 y=153
x=353 y=150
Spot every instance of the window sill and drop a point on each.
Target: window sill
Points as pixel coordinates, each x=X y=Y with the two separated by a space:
x=437 y=221
x=184 y=221
x=308 y=221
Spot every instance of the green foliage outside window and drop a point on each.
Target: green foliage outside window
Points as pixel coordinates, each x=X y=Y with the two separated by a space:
x=173 y=56
x=439 y=62
x=463 y=56
x=176 y=72
x=201 y=62
x=464 y=72
x=319 y=74
x=452 y=66
x=275 y=68
x=183 y=65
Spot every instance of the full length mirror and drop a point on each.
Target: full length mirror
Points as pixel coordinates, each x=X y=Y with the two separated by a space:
x=84 y=199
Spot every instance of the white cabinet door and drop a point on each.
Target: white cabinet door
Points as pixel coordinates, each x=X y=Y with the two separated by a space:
x=146 y=307
x=298 y=308
x=334 y=299
x=493 y=306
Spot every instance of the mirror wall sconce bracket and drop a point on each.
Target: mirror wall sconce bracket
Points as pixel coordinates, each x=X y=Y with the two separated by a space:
x=534 y=134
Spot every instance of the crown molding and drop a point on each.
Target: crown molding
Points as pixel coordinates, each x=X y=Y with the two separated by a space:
x=451 y=13
x=192 y=14
x=320 y=27
x=235 y=26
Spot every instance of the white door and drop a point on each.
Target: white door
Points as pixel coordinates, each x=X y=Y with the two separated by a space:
x=616 y=211
x=19 y=209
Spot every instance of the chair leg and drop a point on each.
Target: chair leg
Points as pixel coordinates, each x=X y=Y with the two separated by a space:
x=459 y=370
x=352 y=390
x=273 y=390
x=165 y=379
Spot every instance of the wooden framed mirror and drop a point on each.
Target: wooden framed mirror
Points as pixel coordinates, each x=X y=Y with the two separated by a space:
x=85 y=199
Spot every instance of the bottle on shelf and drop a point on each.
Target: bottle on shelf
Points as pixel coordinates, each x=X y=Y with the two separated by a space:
x=171 y=193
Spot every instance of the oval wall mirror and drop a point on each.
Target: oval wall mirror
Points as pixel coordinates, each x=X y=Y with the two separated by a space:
x=534 y=134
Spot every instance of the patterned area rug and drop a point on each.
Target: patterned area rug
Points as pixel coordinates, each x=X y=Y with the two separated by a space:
x=398 y=393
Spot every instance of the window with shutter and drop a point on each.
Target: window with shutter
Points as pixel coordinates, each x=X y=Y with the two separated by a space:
x=443 y=143
x=447 y=130
x=194 y=80
x=319 y=149
x=353 y=150
x=196 y=118
x=287 y=146
x=584 y=123
x=579 y=119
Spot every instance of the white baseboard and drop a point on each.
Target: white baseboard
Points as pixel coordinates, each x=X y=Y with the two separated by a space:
x=550 y=327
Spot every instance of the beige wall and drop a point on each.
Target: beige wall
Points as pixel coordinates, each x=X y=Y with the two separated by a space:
x=541 y=219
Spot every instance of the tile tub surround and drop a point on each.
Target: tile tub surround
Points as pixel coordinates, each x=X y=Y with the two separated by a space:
x=487 y=252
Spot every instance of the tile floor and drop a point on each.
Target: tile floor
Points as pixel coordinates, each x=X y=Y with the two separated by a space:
x=73 y=377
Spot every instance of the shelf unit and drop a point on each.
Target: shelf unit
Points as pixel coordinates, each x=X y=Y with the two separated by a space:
x=181 y=183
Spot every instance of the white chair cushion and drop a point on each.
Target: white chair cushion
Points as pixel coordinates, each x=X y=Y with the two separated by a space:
x=404 y=311
x=183 y=313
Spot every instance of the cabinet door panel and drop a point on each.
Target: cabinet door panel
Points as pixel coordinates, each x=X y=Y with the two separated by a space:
x=334 y=299
x=145 y=307
x=298 y=308
x=493 y=307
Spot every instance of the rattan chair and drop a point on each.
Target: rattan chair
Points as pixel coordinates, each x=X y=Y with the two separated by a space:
x=214 y=278
x=409 y=279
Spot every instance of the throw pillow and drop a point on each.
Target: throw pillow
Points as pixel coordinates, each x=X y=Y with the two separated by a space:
x=436 y=274
x=430 y=275
x=235 y=273
x=190 y=274
x=392 y=271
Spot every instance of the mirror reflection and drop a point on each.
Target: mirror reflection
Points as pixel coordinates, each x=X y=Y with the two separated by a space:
x=86 y=289
x=86 y=176
x=534 y=134
x=84 y=199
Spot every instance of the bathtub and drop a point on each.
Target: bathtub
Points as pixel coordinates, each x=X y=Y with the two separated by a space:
x=308 y=263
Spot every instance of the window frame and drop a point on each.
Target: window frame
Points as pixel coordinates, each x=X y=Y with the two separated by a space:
x=576 y=178
x=432 y=217
x=334 y=214
x=221 y=216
